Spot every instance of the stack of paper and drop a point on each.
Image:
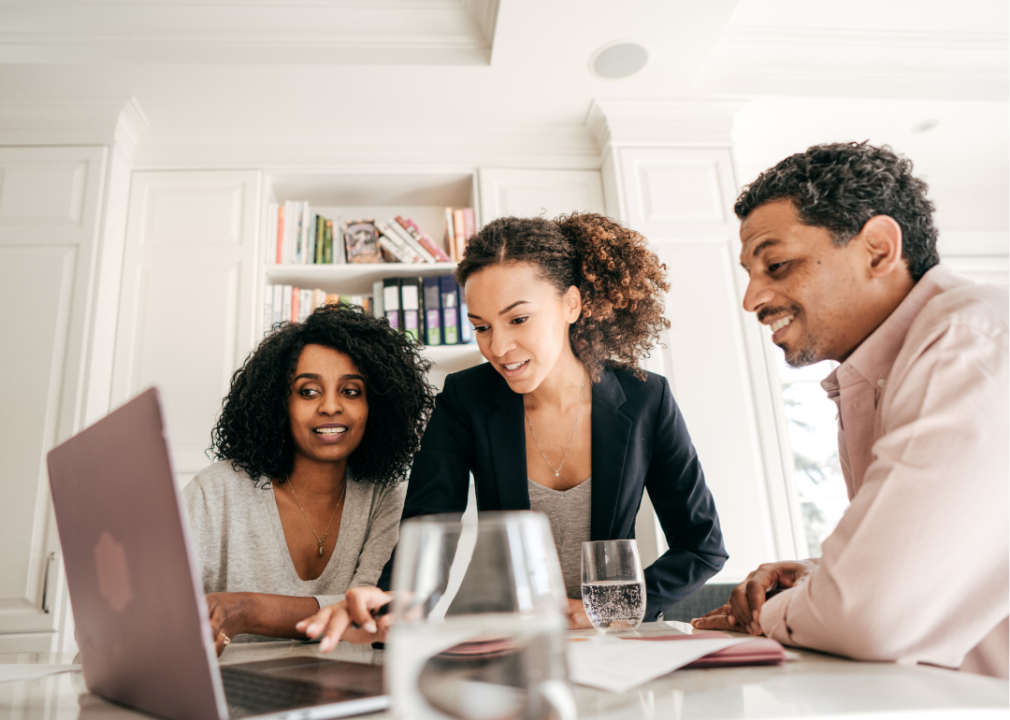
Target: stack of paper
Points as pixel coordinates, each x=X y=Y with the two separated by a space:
x=619 y=664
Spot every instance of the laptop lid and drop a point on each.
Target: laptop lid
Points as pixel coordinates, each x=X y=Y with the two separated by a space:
x=141 y=618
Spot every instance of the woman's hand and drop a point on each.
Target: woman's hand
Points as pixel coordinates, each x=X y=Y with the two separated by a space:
x=352 y=619
x=577 y=617
x=228 y=617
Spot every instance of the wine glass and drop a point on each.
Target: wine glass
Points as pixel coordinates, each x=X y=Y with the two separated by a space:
x=613 y=585
x=479 y=621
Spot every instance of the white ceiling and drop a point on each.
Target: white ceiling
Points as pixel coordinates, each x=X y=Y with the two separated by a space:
x=375 y=63
x=484 y=71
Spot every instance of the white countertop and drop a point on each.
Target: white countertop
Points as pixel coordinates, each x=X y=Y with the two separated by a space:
x=812 y=685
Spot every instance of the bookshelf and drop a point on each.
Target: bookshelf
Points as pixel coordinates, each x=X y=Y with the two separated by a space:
x=381 y=195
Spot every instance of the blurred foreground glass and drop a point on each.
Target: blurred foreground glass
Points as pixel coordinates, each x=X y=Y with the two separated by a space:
x=613 y=585
x=479 y=629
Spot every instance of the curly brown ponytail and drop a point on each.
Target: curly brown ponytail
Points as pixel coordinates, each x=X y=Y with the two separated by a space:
x=620 y=279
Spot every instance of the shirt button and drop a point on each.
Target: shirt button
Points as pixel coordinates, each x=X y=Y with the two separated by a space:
x=881 y=382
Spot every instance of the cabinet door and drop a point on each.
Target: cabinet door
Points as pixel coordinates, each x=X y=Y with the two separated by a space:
x=49 y=201
x=187 y=304
x=531 y=193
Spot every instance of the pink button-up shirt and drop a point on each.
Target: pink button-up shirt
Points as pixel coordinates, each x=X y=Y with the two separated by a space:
x=917 y=568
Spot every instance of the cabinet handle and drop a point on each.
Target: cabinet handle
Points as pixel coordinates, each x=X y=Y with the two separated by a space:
x=45 y=586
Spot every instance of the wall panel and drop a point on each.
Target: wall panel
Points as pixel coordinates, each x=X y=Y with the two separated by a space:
x=187 y=318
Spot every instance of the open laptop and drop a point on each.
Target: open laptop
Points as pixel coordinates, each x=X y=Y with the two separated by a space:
x=139 y=608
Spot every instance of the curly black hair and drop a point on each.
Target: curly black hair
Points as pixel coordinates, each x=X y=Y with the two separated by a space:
x=839 y=186
x=254 y=429
x=620 y=279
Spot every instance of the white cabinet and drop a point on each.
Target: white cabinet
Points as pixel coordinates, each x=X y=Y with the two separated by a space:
x=50 y=221
x=187 y=305
x=532 y=193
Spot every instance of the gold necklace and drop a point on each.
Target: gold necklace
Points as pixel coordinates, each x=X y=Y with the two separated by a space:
x=319 y=540
x=557 y=471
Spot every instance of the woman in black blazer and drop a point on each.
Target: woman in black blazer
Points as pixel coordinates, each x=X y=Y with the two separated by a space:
x=561 y=418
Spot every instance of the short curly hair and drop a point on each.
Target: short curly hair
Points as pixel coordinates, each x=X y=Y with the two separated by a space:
x=620 y=279
x=254 y=428
x=840 y=186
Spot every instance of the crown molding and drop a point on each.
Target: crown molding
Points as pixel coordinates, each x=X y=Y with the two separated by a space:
x=662 y=122
x=99 y=121
x=555 y=146
x=383 y=32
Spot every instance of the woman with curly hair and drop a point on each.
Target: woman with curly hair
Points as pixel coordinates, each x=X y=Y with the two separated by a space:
x=316 y=436
x=561 y=419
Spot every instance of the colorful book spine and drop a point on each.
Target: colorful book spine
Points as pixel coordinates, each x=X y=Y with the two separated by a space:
x=450 y=311
x=378 y=309
x=398 y=251
x=466 y=333
x=459 y=228
x=279 y=254
x=423 y=239
x=432 y=311
x=469 y=223
x=391 y=302
x=450 y=235
x=410 y=304
x=413 y=244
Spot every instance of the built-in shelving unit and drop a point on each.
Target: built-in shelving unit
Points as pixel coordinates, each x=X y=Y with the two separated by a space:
x=380 y=195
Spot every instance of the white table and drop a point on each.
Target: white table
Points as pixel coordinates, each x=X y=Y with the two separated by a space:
x=812 y=685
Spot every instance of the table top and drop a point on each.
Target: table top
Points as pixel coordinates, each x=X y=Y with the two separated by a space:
x=810 y=685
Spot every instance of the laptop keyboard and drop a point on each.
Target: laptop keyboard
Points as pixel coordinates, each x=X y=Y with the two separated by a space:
x=265 y=694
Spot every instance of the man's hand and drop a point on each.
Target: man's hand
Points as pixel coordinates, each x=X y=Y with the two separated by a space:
x=743 y=612
x=228 y=614
x=577 y=617
x=350 y=619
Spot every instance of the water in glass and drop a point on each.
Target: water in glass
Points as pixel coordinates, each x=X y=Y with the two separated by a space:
x=613 y=585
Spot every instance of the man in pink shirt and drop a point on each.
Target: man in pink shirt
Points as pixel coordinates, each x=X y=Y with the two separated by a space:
x=840 y=248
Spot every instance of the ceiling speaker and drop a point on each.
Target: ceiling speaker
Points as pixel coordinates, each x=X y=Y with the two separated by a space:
x=619 y=60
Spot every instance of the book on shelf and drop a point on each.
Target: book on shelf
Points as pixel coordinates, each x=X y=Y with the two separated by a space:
x=391 y=302
x=409 y=241
x=450 y=310
x=297 y=235
x=286 y=303
x=410 y=305
x=422 y=238
x=431 y=310
x=432 y=296
x=396 y=246
x=362 y=242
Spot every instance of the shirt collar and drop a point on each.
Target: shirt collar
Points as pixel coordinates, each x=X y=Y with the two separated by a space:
x=873 y=358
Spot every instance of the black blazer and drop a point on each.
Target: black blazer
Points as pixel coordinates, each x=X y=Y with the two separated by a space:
x=640 y=442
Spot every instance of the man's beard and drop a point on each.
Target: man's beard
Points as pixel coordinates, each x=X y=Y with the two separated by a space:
x=801 y=357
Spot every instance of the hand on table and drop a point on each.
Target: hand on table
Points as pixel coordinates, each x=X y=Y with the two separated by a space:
x=577 y=617
x=350 y=619
x=743 y=611
x=227 y=617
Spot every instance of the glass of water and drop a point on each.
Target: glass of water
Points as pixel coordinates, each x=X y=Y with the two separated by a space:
x=479 y=621
x=613 y=585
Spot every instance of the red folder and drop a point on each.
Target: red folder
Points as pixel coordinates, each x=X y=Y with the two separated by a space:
x=759 y=651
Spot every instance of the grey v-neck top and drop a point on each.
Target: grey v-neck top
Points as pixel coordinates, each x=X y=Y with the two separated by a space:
x=236 y=535
x=570 y=513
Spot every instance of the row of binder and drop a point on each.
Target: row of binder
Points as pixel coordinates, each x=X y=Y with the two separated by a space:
x=432 y=310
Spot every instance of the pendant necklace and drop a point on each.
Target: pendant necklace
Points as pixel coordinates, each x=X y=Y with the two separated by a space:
x=557 y=471
x=319 y=540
